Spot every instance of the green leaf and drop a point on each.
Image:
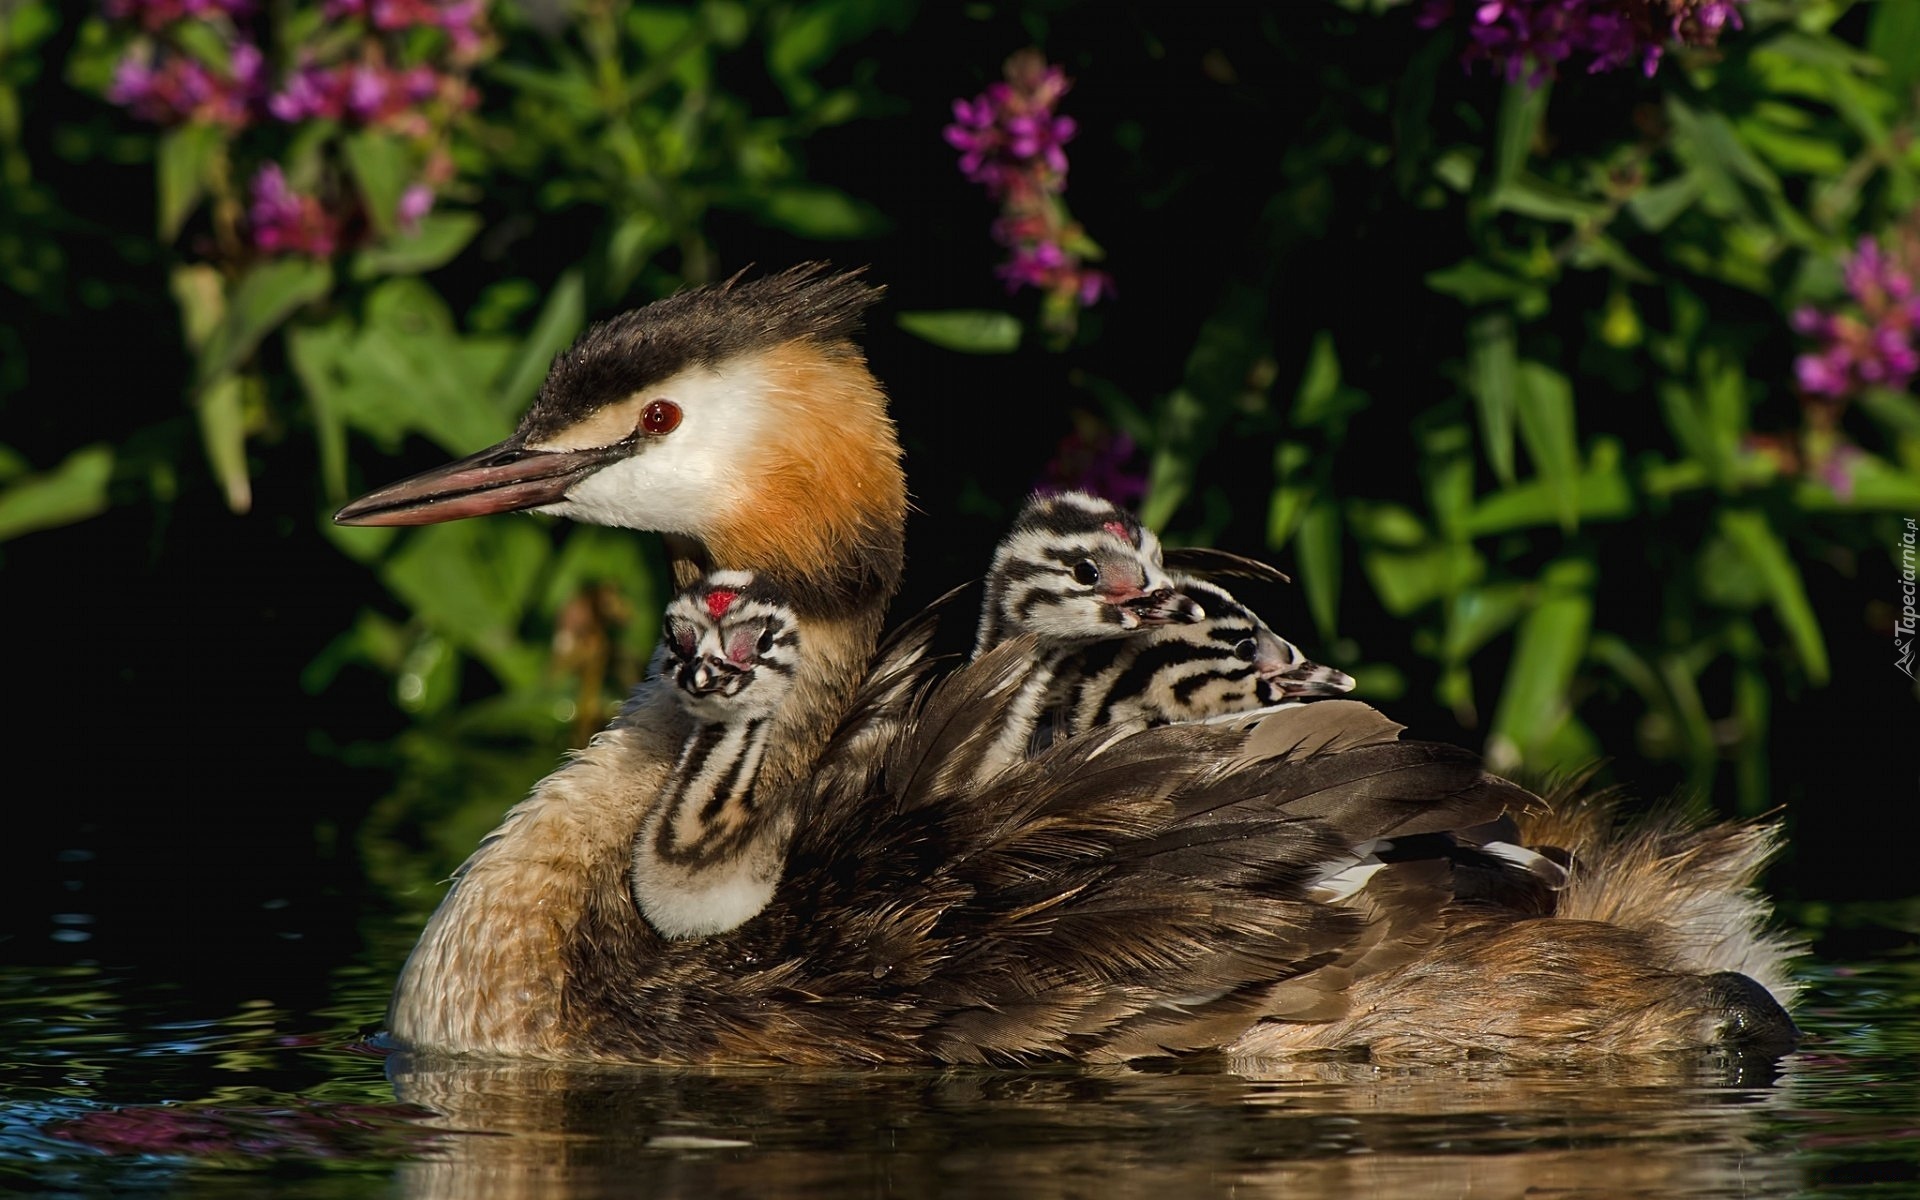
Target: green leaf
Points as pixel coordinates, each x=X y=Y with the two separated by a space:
x=1447 y=463
x=404 y=369
x=440 y=237
x=223 y=433
x=1752 y=711
x=1319 y=381
x=592 y=554
x=967 y=330
x=186 y=158
x=1407 y=580
x=72 y=491
x=1320 y=399
x=1603 y=493
x=1178 y=442
x=1895 y=410
x=1720 y=160
x=1317 y=546
x=382 y=168
x=800 y=42
x=1531 y=196
x=473 y=581
x=1534 y=701
x=1694 y=725
x=1751 y=533
x=1293 y=491
x=1803 y=154
x=1387 y=525
x=1472 y=281
x=1656 y=207
x=561 y=318
x=265 y=297
x=1492 y=367
x=823 y=213
x=1893 y=36
x=1521 y=109
x=1547 y=426
x=1877 y=486
x=314 y=352
x=632 y=241
x=1477 y=615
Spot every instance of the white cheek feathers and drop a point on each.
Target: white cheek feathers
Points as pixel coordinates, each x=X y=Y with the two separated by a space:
x=685 y=481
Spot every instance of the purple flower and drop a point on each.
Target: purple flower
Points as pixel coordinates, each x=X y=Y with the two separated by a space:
x=1836 y=469
x=1010 y=132
x=1823 y=374
x=1874 y=344
x=1012 y=142
x=1530 y=39
x=307 y=92
x=420 y=84
x=284 y=221
x=366 y=91
x=415 y=203
x=168 y=88
x=154 y=15
x=1096 y=459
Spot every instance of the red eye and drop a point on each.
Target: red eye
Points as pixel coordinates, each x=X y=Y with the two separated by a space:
x=660 y=417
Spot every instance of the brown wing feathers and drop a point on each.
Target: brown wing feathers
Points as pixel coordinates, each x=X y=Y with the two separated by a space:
x=1067 y=902
x=1110 y=897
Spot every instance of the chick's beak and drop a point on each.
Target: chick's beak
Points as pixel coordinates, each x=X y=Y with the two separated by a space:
x=506 y=477
x=1163 y=606
x=704 y=677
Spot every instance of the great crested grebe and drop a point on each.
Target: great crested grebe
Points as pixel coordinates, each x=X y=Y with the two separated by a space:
x=1118 y=895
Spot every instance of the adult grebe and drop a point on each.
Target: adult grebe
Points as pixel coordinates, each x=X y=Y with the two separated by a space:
x=1119 y=895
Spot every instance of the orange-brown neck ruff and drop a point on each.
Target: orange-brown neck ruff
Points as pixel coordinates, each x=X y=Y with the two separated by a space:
x=828 y=509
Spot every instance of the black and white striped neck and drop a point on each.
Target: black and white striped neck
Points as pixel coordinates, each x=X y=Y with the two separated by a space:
x=705 y=860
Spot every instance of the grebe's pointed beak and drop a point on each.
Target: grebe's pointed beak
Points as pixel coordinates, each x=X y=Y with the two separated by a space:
x=507 y=477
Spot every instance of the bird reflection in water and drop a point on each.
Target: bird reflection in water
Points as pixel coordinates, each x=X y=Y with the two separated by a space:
x=1687 y=1125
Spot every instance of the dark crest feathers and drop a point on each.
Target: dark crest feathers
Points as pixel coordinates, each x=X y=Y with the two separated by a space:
x=698 y=327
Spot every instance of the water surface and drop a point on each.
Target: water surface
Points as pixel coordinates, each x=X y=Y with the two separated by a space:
x=113 y=1085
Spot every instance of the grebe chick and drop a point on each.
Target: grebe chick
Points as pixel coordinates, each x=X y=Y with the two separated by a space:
x=704 y=862
x=1074 y=569
x=1228 y=662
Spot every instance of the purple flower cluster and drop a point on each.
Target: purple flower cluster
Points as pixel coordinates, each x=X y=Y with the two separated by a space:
x=1012 y=142
x=364 y=93
x=168 y=88
x=157 y=14
x=286 y=222
x=1094 y=458
x=464 y=21
x=389 y=77
x=1531 y=38
x=1875 y=344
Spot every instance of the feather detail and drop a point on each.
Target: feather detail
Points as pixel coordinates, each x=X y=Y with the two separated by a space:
x=1209 y=563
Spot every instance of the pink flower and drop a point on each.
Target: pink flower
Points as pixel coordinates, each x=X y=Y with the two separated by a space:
x=1531 y=38
x=287 y=222
x=168 y=88
x=415 y=203
x=1013 y=143
x=1874 y=345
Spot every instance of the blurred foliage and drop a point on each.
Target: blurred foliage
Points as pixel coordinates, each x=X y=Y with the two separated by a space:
x=1492 y=369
